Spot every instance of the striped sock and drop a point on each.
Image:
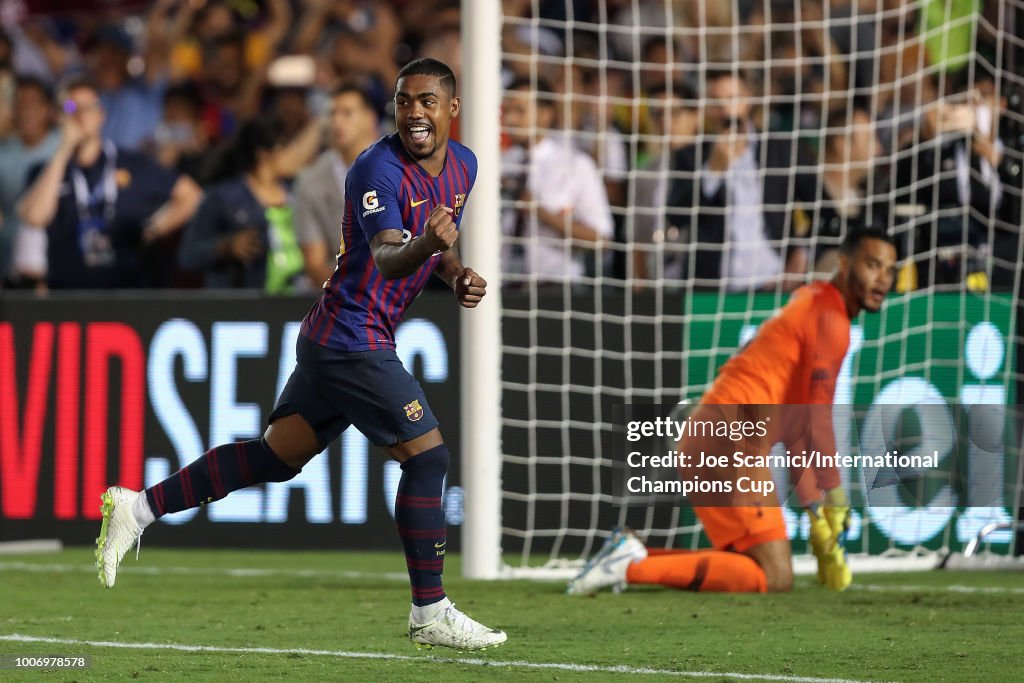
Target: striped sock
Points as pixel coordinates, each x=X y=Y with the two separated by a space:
x=217 y=473
x=420 y=522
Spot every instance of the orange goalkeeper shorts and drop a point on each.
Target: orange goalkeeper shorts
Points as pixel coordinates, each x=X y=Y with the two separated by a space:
x=733 y=520
x=741 y=528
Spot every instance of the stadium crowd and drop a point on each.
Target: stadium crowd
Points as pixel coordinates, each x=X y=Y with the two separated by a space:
x=204 y=143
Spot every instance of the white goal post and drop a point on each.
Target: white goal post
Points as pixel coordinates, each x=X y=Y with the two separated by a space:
x=481 y=327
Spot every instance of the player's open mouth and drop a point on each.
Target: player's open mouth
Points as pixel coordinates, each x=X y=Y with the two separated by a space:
x=878 y=294
x=418 y=133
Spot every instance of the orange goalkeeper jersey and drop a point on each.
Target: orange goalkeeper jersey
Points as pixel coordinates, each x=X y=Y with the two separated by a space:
x=794 y=358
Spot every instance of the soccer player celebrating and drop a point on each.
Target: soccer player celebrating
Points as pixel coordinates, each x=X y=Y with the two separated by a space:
x=793 y=360
x=403 y=207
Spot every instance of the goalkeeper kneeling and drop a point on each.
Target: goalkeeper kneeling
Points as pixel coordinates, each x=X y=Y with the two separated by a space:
x=791 y=366
x=742 y=518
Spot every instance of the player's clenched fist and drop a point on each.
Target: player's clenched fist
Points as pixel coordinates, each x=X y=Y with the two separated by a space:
x=469 y=288
x=440 y=232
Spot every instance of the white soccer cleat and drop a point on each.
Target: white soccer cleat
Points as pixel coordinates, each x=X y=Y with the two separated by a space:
x=608 y=567
x=452 y=628
x=118 y=533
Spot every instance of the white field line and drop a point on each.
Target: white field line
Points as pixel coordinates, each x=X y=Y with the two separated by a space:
x=240 y=572
x=471 y=661
x=128 y=567
x=952 y=588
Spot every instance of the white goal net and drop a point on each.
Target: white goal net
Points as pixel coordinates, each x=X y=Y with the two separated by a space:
x=672 y=169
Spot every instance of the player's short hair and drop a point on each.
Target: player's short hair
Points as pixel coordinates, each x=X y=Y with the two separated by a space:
x=428 y=66
x=349 y=88
x=854 y=237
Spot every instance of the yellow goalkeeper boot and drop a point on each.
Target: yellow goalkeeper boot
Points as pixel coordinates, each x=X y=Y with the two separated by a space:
x=820 y=536
x=827 y=533
x=837 y=572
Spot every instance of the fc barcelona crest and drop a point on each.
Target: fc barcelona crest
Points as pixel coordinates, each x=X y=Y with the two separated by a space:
x=460 y=199
x=414 y=411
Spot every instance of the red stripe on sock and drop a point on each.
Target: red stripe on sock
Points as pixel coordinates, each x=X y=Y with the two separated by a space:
x=422 y=504
x=426 y=565
x=419 y=499
x=186 y=488
x=213 y=465
x=243 y=463
x=158 y=499
x=421 y=533
x=423 y=593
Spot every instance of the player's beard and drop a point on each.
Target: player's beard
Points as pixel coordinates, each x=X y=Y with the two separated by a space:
x=420 y=152
x=420 y=156
x=863 y=291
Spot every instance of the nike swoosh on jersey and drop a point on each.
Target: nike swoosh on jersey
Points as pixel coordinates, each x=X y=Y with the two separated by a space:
x=415 y=204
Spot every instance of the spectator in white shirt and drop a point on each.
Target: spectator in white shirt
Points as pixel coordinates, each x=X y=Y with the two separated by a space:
x=556 y=208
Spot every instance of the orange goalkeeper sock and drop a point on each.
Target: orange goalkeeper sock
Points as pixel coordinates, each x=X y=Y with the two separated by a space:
x=703 y=570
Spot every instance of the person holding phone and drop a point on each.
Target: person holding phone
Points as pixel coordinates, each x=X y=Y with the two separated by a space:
x=101 y=205
x=951 y=184
x=734 y=191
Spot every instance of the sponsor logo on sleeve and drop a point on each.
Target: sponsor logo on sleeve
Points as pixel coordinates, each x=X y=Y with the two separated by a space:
x=371 y=204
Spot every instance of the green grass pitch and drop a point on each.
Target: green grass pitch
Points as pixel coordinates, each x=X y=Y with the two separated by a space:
x=352 y=608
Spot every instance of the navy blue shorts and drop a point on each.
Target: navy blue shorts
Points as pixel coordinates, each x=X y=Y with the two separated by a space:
x=369 y=389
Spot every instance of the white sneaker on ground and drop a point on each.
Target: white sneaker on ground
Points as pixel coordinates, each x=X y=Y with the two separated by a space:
x=118 y=533
x=452 y=628
x=608 y=567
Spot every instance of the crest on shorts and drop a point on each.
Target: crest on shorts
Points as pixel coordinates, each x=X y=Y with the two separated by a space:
x=460 y=199
x=414 y=411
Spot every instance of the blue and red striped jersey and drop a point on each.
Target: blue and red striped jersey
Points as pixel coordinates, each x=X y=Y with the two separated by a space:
x=384 y=190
